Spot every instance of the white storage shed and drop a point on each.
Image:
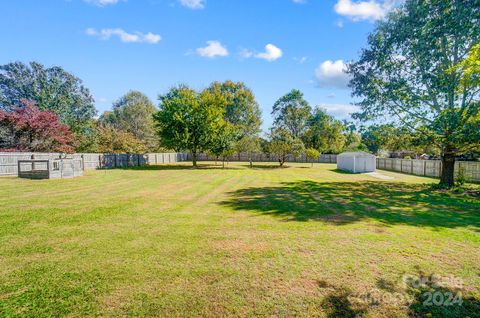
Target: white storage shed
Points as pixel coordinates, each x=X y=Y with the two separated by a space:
x=357 y=162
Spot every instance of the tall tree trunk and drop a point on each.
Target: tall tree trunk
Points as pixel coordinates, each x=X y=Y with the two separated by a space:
x=448 y=169
x=194 y=158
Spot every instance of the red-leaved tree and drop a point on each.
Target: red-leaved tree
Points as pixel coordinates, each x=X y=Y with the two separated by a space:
x=26 y=128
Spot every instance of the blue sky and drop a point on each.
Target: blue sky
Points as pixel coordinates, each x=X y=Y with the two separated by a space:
x=149 y=45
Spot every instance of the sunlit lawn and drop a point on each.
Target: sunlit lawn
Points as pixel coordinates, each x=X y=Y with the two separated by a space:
x=172 y=241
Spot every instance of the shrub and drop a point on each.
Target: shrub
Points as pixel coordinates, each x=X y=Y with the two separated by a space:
x=461 y=177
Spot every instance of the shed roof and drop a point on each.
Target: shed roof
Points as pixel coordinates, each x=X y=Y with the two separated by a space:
x=357 y=154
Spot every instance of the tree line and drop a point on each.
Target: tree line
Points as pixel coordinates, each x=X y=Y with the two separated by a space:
x=417 y=84
x=49 y=109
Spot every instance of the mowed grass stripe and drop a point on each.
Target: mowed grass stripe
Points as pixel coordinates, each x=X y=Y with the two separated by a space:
x=175 y=241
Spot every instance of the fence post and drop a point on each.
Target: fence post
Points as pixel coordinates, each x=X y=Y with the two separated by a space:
x=83 y=162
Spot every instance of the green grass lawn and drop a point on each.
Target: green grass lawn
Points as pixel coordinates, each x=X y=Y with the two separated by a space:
x=172 y=241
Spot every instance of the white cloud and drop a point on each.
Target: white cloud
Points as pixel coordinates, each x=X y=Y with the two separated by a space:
x=300 y=60
x=193 y=4
x=245 y=53
x=271 y=53
x=212 y=50
x=340 y=111
x=332 y=74
x=124 y=36
x=300 y=1
x=365 y=10
x=102 y=2
x=151 y=37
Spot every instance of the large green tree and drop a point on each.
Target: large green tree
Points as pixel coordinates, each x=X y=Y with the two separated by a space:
x=291 y=113
x=188 y=120
x=241 y=108
x=133 y=113
x=324 y=133
x=412 y=71
x=52 y=89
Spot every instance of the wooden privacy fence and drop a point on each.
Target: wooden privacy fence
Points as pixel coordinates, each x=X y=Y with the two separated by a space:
x=428 y=168
x=90 y=161
x=261 y=157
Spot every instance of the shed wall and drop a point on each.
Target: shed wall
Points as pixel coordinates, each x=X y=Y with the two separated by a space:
x=356 y=163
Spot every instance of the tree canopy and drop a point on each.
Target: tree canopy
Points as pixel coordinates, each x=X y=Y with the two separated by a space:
x=223 y=142
x=52 y=89
x=241 y=108
x=27 y=128
x=324 y=133
x=109 y=139
x=283 y=144
x=188 y=120
x=413 y=71
x=249 y=145
x=291 y=113
x=387 y=137
x=312 y=154
x=133 y=113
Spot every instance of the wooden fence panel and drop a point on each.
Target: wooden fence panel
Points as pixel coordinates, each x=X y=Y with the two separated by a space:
x=90 y=161
x=433 y=168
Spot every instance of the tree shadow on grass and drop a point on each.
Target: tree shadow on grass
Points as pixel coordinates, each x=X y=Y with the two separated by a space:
x=348 y=202
x=265 y=166
x=337 y=304
x=341 y=171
